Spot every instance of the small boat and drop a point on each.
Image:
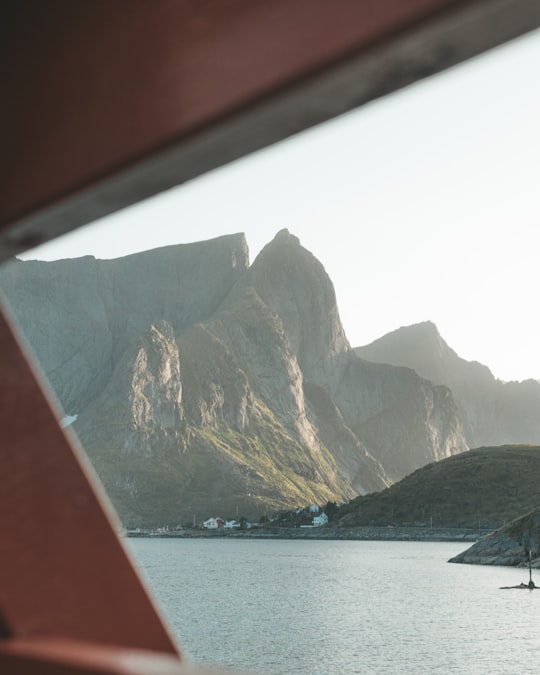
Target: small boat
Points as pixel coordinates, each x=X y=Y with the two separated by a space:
x=531 y=585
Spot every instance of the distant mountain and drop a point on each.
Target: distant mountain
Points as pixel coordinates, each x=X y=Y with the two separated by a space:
x=203 y=385
x=485 y=487
x=492 y=412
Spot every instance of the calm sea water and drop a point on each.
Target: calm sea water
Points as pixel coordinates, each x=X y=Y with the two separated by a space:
x=334 y=608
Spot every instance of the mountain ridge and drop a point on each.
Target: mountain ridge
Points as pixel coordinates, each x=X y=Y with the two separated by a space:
x=213 y=386
x=68 y=309
x=493 y=412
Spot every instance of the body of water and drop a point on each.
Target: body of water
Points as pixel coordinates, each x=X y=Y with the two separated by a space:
x=340 y=607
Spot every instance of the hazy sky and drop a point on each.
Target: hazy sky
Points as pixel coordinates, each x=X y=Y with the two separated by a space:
x=423 y=205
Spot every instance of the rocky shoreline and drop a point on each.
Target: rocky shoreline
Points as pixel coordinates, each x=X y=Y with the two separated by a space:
x=509 y=546
x=497 y=549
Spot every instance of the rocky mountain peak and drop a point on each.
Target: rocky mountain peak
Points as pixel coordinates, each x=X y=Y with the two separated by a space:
x=416 y=344
x=285 y=237
x=421 y=347
x=425 y=330
x=295 y=286
x=202 y=383
x=493 y=412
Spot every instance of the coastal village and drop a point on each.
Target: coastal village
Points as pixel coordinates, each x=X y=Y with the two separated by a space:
x=306 y=518
x=318 y=519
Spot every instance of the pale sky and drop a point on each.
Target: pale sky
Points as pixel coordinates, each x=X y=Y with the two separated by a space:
x=422 y=205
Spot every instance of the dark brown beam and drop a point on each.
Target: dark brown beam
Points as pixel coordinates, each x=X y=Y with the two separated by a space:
x=111 y=101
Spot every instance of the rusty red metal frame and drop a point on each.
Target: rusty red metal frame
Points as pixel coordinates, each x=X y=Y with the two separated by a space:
x=64 y=571
x=106 y=102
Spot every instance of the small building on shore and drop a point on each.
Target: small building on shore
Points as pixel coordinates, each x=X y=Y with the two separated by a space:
x=320 y=520
x=231 y=524
x=213 y=523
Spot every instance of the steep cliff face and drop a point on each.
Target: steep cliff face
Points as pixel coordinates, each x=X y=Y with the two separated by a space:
x=385 y=421
x=80 y=315
x=214 y=421
x=493 y=412
x=418 y=421
x=214 y=387
x=294 y=285
x=62 y=315
x=254 y=338
x=140 y=409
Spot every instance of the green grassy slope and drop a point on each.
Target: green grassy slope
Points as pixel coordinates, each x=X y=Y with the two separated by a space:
x=485 y=486
x=220 y=472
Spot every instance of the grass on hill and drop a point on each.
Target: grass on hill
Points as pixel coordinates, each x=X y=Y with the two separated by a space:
x=481 y=488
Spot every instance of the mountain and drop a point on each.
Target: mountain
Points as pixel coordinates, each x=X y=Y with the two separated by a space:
x=203 y=385
x=484 y=487
x=492 y=412
x=80 y=315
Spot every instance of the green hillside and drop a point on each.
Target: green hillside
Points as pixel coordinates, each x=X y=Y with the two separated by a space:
x=246 y=473
x=485 y=487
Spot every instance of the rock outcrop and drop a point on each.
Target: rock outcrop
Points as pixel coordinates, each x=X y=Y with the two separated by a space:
x=203 y=385
x=508 y=546
x=141 y=406
x=493 y=412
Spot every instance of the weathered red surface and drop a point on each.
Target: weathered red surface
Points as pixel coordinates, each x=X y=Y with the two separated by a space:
x=58 y=656
x=64 y=571
x=101 y=82
x=150 y=94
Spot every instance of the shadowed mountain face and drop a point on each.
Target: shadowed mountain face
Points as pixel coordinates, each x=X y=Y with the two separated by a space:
x=493 y=412
x=204 y=386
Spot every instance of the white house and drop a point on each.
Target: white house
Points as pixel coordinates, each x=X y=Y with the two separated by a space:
x=231 y=524
x=213 y=523
x=314 y=508
x=320 y=520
